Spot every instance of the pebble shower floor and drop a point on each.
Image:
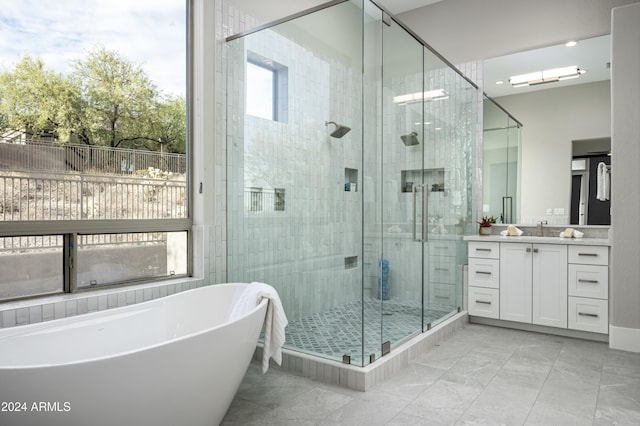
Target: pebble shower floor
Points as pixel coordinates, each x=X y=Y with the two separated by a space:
x=338 y=332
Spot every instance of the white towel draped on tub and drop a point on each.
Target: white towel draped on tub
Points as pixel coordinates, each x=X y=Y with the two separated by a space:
x=275 y=321
x=602 y=193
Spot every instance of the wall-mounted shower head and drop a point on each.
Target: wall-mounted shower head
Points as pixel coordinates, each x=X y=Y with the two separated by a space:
x=410 y=139
x=339 y=131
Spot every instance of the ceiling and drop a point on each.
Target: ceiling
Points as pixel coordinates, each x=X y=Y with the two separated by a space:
x=591 y=55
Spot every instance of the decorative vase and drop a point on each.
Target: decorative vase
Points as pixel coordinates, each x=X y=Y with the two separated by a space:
x=485 y=230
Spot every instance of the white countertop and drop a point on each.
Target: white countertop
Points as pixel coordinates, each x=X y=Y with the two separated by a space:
x=542 y=240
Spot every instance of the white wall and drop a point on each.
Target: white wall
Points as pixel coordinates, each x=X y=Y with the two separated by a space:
x=552 y=119
x=625 y=143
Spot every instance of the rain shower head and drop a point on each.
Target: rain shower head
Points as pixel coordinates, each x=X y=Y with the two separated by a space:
x=410 y=139
x=339 y=131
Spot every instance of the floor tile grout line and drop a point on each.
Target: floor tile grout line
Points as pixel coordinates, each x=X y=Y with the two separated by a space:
x=544 y=382
x=488 y=383
x=595 y=406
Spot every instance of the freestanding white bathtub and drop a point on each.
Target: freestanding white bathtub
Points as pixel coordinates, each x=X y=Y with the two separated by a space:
x=176 y=360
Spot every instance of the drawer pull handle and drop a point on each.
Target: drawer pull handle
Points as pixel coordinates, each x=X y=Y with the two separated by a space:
x=483 y=272
x=588 y=281
x=528 y=250
x=588 y=254
x=441 y=297
x=441 y=269
x=585 y=314
x=442 y=247
x=483 y=249
x=484 y=302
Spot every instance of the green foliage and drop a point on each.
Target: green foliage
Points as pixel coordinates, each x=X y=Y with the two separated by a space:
x=106 y=100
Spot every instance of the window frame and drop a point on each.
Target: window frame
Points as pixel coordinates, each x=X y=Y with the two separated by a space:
x=71 y=229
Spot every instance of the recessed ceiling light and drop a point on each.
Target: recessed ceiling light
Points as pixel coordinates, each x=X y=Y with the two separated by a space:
x=571 y=43
x=499 y=82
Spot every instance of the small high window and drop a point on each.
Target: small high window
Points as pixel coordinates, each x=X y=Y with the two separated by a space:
x=267 y=88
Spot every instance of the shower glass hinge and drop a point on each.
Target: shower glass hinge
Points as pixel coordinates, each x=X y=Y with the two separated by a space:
x=386 y=348
x=428 y=326
x=372 y=358
x=459 y=309
x=346 y=359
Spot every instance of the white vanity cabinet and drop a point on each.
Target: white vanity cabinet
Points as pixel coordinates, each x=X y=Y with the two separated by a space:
x=589 y=288
x=541 y=282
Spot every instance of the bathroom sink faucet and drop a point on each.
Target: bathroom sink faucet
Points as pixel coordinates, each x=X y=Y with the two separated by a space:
x=541 y=225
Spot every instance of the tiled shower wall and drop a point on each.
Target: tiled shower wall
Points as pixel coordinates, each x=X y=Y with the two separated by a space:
x=302 y=250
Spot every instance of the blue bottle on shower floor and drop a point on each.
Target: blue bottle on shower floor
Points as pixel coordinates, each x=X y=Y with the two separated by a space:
x=383 y=282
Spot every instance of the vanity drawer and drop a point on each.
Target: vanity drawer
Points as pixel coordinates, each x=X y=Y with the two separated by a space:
x=589 y=314
x=484 y=302
x=589 y=255
x=484 y=272
x=589 y=281
x=488 y=250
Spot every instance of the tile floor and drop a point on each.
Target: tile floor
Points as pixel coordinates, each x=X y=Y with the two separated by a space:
x=338 y=331
x=482 y=375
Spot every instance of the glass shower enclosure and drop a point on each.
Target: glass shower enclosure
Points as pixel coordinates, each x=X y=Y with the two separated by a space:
x=351 y=169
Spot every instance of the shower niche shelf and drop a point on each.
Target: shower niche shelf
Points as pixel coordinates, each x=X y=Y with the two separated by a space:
x=350 y=180
x=433 y=178
x=350 y=262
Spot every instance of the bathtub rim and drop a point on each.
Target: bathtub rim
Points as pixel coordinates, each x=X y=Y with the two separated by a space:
x=17 y=330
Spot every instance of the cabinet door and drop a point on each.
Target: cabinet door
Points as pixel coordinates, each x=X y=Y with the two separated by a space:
x=550 y=285
x=515 y=281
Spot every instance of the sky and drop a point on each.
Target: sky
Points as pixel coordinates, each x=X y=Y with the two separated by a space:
x=150 y=33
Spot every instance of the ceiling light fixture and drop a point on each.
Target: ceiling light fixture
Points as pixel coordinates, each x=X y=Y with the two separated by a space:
x=546 y=76
x=571 y=43
x=432 y=95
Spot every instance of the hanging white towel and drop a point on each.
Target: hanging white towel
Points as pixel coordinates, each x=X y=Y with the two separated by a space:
x=603 y=182
x=274 y=323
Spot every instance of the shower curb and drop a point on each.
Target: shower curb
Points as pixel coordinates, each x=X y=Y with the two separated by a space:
x=365 y=378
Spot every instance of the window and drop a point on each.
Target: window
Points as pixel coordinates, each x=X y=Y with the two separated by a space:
x=267 y=88
x=261 y=88
x=93 y=142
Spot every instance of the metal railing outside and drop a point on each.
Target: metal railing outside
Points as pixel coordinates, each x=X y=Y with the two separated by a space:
x=66 y=196
x=51 y=157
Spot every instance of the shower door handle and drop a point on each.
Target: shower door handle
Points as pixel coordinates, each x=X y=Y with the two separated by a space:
x=425 y=209
x=425 y=214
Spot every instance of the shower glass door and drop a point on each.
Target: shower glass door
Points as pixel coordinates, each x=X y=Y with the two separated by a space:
x=295 y=180
x=404 y=201
x=450 y=123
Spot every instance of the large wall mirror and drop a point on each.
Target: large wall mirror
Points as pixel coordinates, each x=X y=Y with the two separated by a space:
x=565 y=116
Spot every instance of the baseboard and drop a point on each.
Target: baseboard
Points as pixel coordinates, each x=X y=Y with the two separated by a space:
x=624 y=339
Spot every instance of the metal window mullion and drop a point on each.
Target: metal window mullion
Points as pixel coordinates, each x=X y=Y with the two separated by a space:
x=70 y=260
